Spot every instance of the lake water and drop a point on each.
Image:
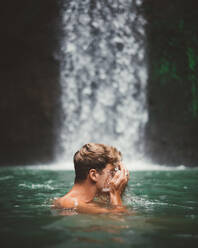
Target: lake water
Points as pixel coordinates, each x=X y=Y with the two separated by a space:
x=165 y=202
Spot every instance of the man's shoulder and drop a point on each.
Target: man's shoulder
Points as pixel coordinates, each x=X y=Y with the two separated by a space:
x=66 y=202
x=71 y=203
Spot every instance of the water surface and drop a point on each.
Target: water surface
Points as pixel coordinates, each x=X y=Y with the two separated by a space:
x=165 y=202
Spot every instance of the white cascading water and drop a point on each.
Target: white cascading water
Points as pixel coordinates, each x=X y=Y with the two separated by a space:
x=103 y=77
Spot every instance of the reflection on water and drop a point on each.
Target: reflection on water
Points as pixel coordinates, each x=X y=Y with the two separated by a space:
x=84 y=227
x=165 y=205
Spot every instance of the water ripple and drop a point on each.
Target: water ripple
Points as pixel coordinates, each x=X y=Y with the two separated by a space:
x=36 y=186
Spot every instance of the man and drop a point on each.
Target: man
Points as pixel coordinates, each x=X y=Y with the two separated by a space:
x=98 y=171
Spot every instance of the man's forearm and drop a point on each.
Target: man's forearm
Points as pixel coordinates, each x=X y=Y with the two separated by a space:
x=115 y=199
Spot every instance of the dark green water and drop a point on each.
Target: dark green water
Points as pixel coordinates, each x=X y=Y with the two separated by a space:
x=166 y=205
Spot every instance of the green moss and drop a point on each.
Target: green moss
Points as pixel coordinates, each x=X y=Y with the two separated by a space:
x=194 y=99
x=181 y=25
x=174 y=72
x=192 y=63
x=191 y=58
x=165 y=71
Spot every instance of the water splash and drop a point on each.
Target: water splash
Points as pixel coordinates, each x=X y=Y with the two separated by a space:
x=103 y=76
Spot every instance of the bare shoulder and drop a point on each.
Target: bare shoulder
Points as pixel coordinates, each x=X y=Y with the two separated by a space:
x=83 y=207
x=92 y=208
x=78 y=205
x=65 y=202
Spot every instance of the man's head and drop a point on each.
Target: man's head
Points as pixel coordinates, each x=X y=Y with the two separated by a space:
x=94 y=156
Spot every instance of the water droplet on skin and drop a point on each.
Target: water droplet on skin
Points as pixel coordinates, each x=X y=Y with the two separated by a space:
x=105 y=190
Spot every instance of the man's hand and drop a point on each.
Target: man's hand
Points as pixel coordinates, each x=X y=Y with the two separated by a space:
x=118 y=184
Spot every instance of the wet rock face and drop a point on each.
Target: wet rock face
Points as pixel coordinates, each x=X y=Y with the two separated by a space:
x=172 y=130
x=29 y=81
x=30 y=91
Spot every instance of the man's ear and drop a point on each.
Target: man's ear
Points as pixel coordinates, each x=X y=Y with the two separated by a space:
x=93 y=175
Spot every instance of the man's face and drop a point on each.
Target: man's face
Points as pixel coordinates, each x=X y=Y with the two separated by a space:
x=105 y=177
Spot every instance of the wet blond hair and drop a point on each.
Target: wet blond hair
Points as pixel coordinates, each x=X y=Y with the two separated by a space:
x=94 y=156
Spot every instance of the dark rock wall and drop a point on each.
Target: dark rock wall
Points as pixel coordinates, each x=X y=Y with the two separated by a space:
x=29 y=95
x=29 y=81
x=172 y=130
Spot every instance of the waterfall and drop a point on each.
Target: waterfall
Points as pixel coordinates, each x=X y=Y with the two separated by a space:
x=103 y=76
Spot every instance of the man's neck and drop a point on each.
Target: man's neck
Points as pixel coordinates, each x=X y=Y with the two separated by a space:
x=84 y=191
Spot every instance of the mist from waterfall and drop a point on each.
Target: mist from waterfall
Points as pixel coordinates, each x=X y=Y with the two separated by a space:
x=103 y=77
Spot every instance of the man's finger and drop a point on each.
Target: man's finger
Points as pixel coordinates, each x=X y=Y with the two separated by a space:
x=121 y=177
x=128 y=176
x=121 y=166
x=127 y=173
x=124 y=169
x=116 y=176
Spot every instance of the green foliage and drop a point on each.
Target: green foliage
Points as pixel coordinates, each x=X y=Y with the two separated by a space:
x=166 y=70
x=181 y=25
x=195 y=99
x=192 y=63
x=191 y=58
